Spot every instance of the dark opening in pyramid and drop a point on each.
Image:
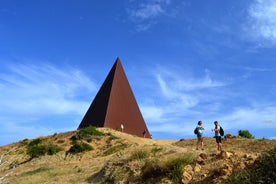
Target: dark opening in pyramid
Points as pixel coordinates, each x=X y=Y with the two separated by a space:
x=115 y=105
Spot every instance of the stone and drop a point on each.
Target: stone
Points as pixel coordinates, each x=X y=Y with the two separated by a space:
x=197 y=168
x=203 y=155
x=188 y=174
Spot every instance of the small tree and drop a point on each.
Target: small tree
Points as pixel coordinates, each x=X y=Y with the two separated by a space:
x=246 y=134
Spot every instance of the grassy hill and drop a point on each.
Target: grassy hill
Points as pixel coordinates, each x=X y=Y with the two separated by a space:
x=108 y=156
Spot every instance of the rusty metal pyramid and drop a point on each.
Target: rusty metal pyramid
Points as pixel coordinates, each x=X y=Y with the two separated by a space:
x=115 y=105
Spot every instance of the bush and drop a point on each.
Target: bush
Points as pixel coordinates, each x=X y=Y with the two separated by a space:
x=53 y=149
x=36 y=151
x=88 y=131
x=35 y=142
x=79 y=147
x=245 y=134
x=38 y=147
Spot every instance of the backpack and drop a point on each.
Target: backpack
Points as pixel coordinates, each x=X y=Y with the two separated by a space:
x=196 y=131
x=221 y=131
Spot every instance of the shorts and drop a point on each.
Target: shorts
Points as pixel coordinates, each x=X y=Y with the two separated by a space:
x=199 y=135
x=218 y=139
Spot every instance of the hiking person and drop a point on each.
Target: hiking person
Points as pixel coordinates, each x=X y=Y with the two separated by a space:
x=144 y=133
x=199 y=135
x=122 y=127
x=217 y=135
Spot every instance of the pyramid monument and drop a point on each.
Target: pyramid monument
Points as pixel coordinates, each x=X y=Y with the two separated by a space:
x=115 y=106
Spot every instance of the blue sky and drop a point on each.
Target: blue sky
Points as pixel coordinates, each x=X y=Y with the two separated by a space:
x=186 y=60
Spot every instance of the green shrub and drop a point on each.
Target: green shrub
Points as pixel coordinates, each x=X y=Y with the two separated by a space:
x=35 y=142
x=24 y=142
x=36 y=151
x=53 y=149
x=139 y=155
x=245 y=134
x=89 y=131
x=38 y=147
x=79 y=147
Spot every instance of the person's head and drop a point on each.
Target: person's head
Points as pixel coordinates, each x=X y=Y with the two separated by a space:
x=216 y=122
x=199 y=122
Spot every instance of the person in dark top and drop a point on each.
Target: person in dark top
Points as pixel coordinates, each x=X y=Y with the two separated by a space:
x=217 y=136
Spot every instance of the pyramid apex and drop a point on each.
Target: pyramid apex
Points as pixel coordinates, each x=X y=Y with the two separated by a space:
x=118 y=60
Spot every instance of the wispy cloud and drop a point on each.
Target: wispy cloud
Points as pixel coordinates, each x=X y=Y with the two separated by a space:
x=180 y=100
x=34 y=98
x=262 y=21
x=144 y=13
x=42 y=89
x=177 y=96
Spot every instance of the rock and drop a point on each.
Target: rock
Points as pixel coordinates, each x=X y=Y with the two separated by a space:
x=241 y=166
x=188 y=174
x=229 y=136
x=225 y=154
x=186 y=177
x=200 y=160
x=203 y=155
x=226 y=169
x=197 y=168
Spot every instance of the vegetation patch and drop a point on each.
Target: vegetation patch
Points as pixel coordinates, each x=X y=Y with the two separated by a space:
x=53 y=149
x=115 y=149
x=156 y=150
x=36 y=171
x=139 y=155
x=79 y=147
x=246 y=134
x=171 y=168
x=36 y=151
x=39 y=147
x=89 y=131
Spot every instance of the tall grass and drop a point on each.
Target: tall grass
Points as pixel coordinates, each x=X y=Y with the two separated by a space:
x=172 y=168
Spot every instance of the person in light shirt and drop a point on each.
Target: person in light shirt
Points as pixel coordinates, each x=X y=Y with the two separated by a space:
x=217 y=136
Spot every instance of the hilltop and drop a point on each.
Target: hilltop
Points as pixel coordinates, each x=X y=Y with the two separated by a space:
x=108 y=156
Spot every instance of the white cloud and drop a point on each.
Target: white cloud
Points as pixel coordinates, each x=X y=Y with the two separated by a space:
x=251 y=117
x=42 y=89
x=38 y=99
x=177 y=98
x=144 y=13
x=262 y=21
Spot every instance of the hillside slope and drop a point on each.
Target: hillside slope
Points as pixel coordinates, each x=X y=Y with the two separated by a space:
x=116 y=157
